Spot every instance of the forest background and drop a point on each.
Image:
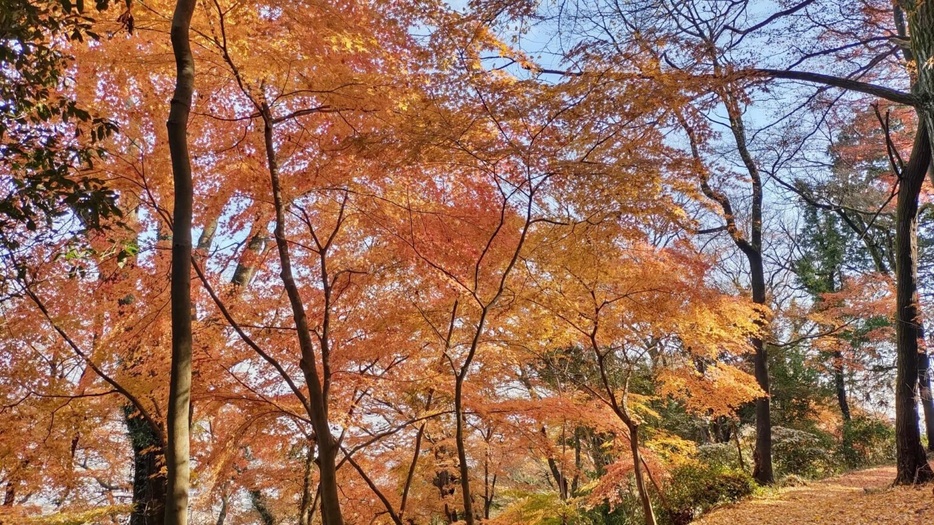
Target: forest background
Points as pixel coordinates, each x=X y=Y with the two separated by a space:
x=512 y=262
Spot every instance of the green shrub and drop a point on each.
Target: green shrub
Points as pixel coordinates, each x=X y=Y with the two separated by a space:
x=719 y=455
x=694 y=488
x=801 y=453
x=867 y=441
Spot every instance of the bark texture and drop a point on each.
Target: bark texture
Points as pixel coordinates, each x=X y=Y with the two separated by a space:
x=911 y=461
x=148 y=481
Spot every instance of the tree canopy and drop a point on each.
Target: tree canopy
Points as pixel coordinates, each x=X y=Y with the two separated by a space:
x=426 y=262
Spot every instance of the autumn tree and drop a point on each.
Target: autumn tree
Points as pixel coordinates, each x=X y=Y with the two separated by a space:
x=714 y=44
x=911 y=460
x=438 y=279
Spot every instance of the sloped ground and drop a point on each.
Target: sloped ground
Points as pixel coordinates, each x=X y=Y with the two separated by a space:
x=856 y=498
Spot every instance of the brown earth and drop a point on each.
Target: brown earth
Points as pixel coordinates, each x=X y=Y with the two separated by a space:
x=855 y=498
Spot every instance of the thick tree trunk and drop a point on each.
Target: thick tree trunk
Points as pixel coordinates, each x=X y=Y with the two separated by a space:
x=762 y=457
x=178 y=422
x=911 y=462
x=207 y=235
x=920 y=31
x=148 y=480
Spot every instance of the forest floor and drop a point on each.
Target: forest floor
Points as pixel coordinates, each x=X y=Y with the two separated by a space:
x=855 y=498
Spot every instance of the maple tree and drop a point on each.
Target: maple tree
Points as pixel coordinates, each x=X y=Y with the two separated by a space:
x=613 y=317
x=436 y=279
x=721 y=32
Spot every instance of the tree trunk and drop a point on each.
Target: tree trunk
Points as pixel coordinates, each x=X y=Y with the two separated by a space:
x=327 y=445
x=207 y=235
x=920 y=32
x=911 y=462
x=178 y=422
x=839 y=381
x=250 y=258
x=148 y=480
x=222 y=515
x=259 y=505
x=647 y=510
x=751 y=246
x=466 y=497
x=927 y=400
x=308 y=494
x=762 y=456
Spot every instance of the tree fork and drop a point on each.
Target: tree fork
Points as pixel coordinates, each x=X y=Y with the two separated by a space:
x=318 y=403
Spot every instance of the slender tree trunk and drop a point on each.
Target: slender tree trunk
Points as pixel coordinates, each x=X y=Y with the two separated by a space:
x=411 y=472
x=927 y=399
x=178 y=422
x=462 y=450
x=751 y=246
x=752 y=249
x=327 y=445
x=911 y=462
x=222 y=515
x=561 y=482
x=762 y=457
x=304 y=510
x=839 y=381
x=739 y=448
x=647 y=510
x=9 y=494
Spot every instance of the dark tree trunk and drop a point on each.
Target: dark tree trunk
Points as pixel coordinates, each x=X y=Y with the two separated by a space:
x=308 y=487
x=466 y=496
x=721 y=430
x=762 y=456
x=259 y=505
x=317 y=389
x=751 y=247
x=920 y=32
x=839 y=382
x=148 y=480
x=911 y=462
x=179 y=412
x=222 y=515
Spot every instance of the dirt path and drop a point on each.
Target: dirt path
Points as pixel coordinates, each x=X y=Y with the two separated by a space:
x=857 y=498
